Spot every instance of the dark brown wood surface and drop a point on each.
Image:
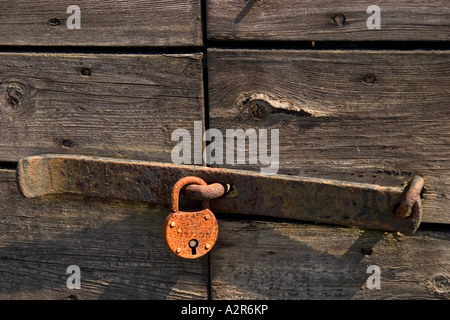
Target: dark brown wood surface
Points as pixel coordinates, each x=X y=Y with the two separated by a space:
x=103 y=23
x=122 y=106
x=294 y=20
x=278 y=260
x=118 y=247
x=377 y=117
x=121 y=254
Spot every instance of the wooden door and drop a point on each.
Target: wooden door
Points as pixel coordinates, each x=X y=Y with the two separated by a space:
x=351 y=102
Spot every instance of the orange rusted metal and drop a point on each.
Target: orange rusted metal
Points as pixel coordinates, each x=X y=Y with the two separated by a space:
x=208 y=192
x=190 y=234
x=362 y=205
x=411 y=202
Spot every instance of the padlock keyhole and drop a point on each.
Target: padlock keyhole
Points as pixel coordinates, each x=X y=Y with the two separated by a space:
x=193 y=244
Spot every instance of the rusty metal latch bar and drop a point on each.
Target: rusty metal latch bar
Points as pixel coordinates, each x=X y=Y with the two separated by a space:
x=308 y=199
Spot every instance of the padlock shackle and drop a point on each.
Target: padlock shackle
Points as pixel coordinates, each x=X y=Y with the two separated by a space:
x=179 y=185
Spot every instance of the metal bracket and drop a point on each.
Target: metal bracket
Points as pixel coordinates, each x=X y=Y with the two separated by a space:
x=325 y=201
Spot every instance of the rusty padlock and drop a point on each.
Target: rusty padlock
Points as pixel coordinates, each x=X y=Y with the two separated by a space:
x=190 y=234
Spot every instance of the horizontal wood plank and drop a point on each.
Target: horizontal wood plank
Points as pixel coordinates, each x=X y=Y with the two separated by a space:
x=266 y=260
x=118 y=247
x=299 y=20
x=122 y=106
x=377 y=117
x=102 y=23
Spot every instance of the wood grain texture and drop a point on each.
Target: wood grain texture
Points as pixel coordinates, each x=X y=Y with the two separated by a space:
x=294 y=20
x=118 y=247
x=266 y=260
x=335 y=122
x=122 y=106
x=103 y=23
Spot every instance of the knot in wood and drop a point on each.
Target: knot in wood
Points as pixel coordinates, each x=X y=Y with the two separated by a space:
x=339 y=19
x=258 y=110
x=14 y=99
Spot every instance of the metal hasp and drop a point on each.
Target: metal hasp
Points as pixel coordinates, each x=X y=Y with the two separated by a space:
x=308 y=199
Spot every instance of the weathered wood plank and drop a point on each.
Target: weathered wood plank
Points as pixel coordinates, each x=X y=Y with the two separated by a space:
x=335 y=122
x=294 y=20
x=118 y=247
x=266 y=260
x=123 y=106
x=102 y=23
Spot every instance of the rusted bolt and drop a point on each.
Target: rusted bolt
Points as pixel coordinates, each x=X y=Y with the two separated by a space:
x=67 y=143
x=208 y=192
x=370 y=78
x=54 y=22
x=411 y=198
x=339 y=19
x=86 y=72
